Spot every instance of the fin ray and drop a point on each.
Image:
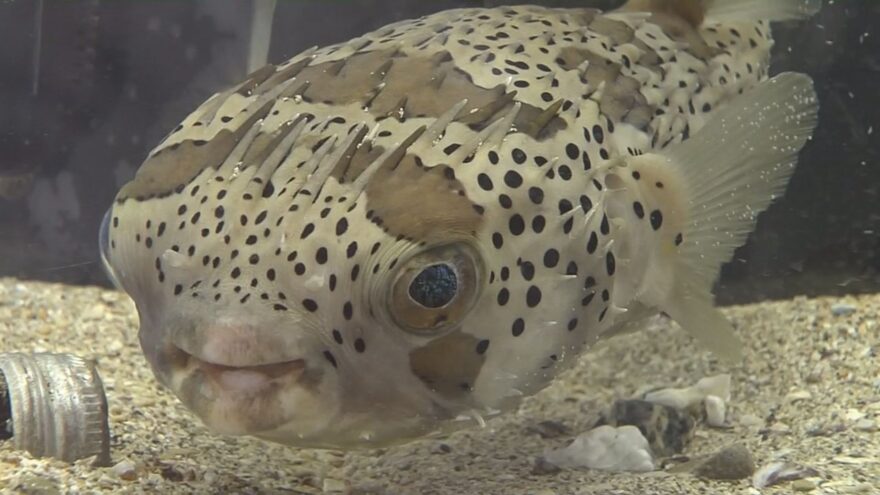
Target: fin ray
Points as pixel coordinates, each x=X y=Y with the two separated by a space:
x=753 y=10
x=702 y=12
x=737 y=164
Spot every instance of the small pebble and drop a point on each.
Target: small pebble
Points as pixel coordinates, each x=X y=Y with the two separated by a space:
x=798 y=395
x=730 y=463
x=715 y=411
x=125 y=470
x=779 y=472
x=853 y=415
x=441 y=448
x=32 y=484
x=780 y=428
x=94 y=312
x=851 y=460
x=815 y=375
x=542 y=466
x=859 y=488
x=804 y=485
x=750 y=420
x=868 y=425
x=682 y=398
x=824 y=430
x=667 y=429
x=842 y=309
x=549 y=429
x=331 y=485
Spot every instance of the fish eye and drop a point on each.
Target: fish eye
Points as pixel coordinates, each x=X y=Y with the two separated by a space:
x=435 y=289
x=435 y=286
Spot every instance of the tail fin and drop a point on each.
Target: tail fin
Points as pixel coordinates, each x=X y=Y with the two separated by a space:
x=731 y=170
x=697 y=12
x=752 y=10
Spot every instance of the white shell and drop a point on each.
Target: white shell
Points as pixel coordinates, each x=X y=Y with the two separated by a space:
x=682 y=398
x=606 y=448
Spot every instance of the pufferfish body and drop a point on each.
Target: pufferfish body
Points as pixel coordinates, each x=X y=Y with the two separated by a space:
x=413 y=230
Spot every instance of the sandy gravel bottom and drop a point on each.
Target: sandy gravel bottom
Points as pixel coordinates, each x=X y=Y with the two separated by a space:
x=808 y=392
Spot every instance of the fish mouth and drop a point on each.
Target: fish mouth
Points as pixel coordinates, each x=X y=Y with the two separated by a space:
x=240 y=379
x=239 y=398
x=251 y=379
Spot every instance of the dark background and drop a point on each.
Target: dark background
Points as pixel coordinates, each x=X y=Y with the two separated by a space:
x=88 y=87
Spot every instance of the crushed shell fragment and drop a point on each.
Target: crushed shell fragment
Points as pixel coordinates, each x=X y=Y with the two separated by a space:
x=56 y=406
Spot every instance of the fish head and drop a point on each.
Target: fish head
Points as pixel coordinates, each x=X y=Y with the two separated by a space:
x=312 y=309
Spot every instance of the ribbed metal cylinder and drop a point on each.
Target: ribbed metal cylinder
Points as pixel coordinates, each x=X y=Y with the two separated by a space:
x=58 y=407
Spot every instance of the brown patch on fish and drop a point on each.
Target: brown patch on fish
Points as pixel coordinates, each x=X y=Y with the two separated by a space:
x=649 y=58
x=419 y=202
x=622 y=99
x=172 y=168
x=584 y=17
x=389 y=83
x=448 y=365
x=679 y=19
x=683 y=32
x=624 y=102
x=618 y=32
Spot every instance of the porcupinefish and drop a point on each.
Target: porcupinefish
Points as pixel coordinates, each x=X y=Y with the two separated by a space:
x=413 y=230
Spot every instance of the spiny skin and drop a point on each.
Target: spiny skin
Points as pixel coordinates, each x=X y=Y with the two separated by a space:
x=284 y=220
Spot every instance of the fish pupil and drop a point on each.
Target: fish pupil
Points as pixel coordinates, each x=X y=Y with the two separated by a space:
x=435 y=286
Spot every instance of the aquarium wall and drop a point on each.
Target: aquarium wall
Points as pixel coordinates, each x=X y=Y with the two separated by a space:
x=87 y=88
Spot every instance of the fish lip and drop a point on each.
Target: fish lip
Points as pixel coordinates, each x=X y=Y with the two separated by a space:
x=271 y=370
x=227 y=342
